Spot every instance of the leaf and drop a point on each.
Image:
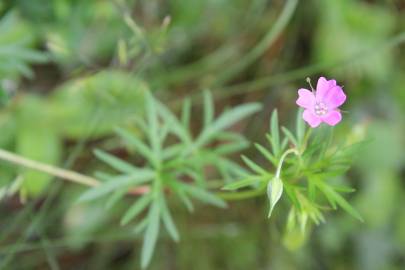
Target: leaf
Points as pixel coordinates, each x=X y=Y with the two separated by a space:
x=174 y=124
x=284 y=144
x=346 y=206
x=230 y=142
x=16 y=38
x=227 y=119
x=253 y=166
x=153 y=124
x=151 y=234
x=164 y=131
x=335 y=197
x=290 y=136
x=168 y=221
x=300 y=127
x=137 y=144
x=311 y=190
x=234 y=168
x=266 y=154
x=229 y=148
x=171 y=151
x=116 y=183
x=35 y=139
x=187 y=202
x=115 y=162
x=274 y=192
x=344 y=189
x=232 y=116
x=204 y=196
x=292 y=195
x=275 y=134
x=141 y=226
x=182 y=195
x=249 y=181
x=186 y=113
x=208 y=108
x=92 y=106
x=136 y=209
x=115 y=197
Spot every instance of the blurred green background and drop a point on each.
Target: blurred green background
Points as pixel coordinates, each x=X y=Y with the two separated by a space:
x=71 y=70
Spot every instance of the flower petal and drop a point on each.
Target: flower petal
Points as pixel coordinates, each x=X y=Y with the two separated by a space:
x=306 y=99
x=311 y=118
x=322 y=87
x=334 y=97
x=332 y=118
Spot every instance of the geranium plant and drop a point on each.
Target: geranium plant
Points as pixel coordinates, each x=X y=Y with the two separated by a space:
x=177 y=163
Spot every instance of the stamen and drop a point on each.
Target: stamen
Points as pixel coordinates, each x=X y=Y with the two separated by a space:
x=310 y=85
x=321 y=109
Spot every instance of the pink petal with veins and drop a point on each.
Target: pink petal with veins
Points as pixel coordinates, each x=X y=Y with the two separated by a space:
x=322 y=87
x=332 y=118
x=311 y=118
x=306 y=99
x=334 y=97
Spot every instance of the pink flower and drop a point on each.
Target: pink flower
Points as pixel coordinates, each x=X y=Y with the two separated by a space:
x=322 y=105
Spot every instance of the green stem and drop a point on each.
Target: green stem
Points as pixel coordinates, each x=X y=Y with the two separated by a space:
x=305 y=141
x=232 y=196
x=280 y=164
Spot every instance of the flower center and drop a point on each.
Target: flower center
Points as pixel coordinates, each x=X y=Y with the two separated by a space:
x=320 y=109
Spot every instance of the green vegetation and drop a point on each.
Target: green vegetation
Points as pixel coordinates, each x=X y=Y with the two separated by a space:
x=165 y=135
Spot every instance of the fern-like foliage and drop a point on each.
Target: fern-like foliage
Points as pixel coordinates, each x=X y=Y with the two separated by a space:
x=176 y=165
x=16 y=52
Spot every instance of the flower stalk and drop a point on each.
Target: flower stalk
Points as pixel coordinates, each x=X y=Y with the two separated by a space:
x=280 y=164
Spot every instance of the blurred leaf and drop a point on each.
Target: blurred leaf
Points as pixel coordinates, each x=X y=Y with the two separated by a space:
x=138 y=145
x=300 y=127
x=168 y=221
x=172 y=121
x=290 y=136
x=36 y=139
x=16 y=54
x=115 y=183
x=274 y=134
x=226 y=120
x=204 y=196
x=208 y=108
x=116 y=163
x=334 y=197
x=80 y=32
x=136 y=208
x=186 y=113
x=108 y=98
x=153 y=131
x=253 y=166
x=249 y=181
x=151 y=235
x=266 y=154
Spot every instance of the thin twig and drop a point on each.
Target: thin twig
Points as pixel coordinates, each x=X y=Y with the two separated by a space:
x=61 y=173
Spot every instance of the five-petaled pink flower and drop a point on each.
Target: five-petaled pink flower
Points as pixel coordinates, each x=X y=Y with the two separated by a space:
x=322 y=105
